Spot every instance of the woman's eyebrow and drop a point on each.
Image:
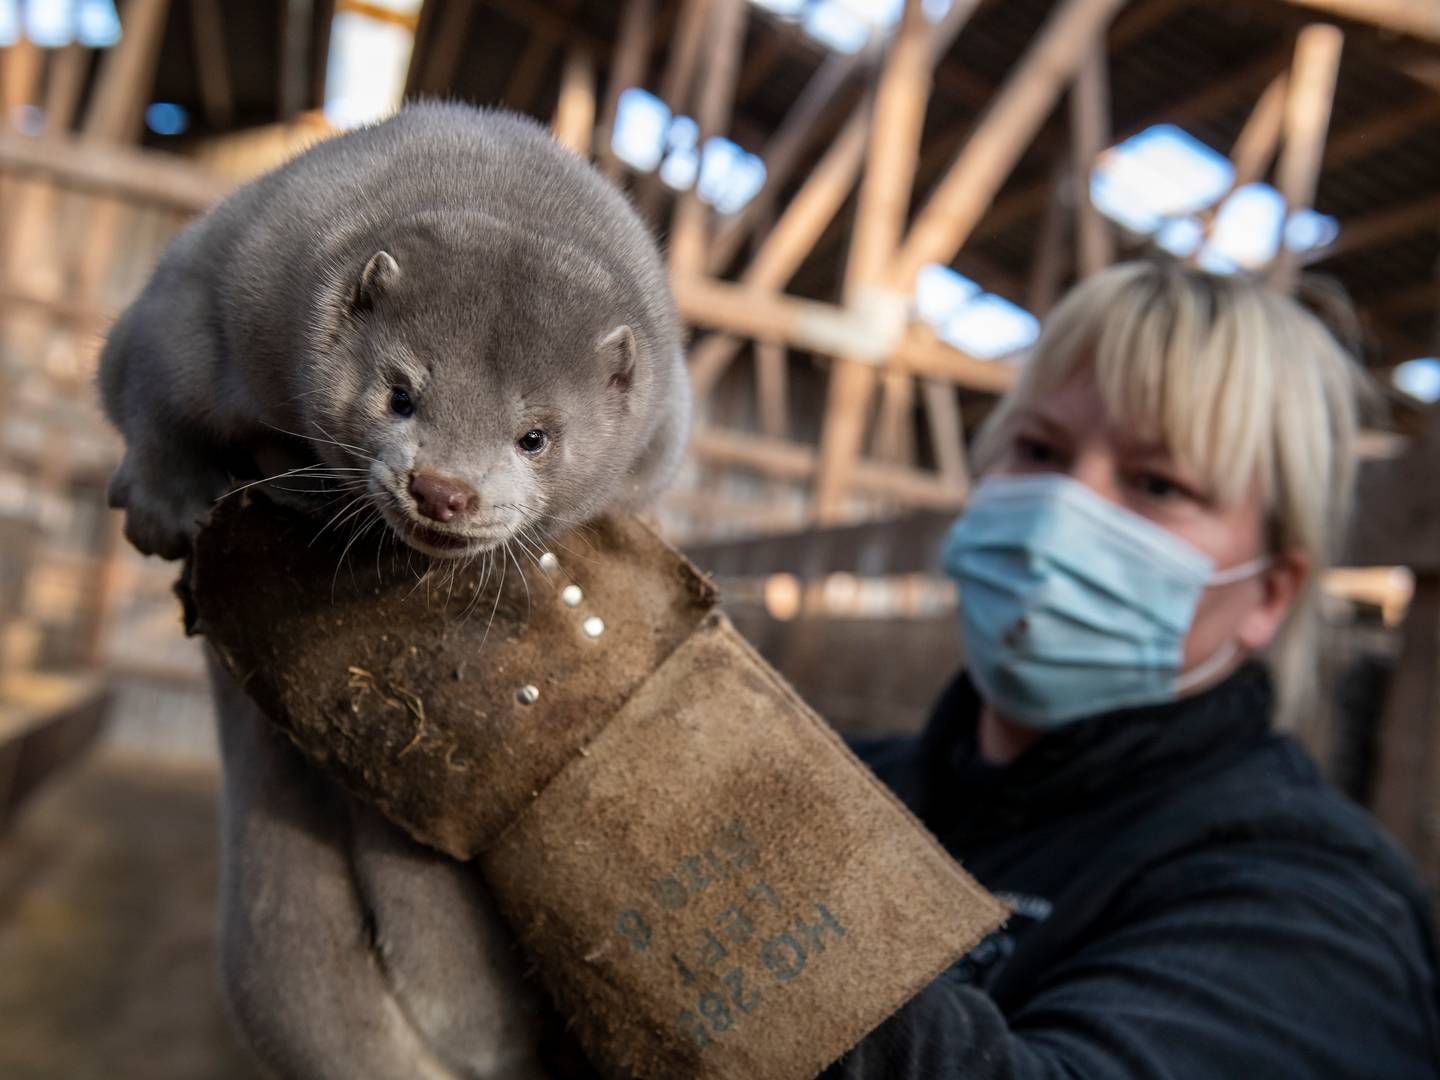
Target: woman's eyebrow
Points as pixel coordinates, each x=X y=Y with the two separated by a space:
x=1040 y=419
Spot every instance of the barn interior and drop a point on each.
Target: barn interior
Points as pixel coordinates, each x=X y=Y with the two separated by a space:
x=867 y=207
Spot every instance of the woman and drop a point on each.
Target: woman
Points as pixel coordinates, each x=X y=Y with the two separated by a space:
x=1138 y=575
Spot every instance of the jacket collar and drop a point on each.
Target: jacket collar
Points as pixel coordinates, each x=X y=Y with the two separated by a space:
x=1080 y=765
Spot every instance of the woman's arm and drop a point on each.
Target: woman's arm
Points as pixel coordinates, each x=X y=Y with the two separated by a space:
x=1236 y=961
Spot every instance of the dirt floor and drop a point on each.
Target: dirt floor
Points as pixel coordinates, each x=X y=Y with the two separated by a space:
x=107 y=909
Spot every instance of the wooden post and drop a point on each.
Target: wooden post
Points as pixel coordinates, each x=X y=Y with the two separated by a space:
x=1258 y=140
x=1048 y=267
x=1420 y=18
x=296 y=21
x=717 y=95
x=810 y=212
x=627 y=69
x=1307 y=116
x=575 y=111
x=782 y=153
x=451 y=34
x=675 y=89
x=212 y=62
x=947 y=434
x=882 y=206
x=1089 y=138
x=1408 y=766
x=1029 y=93
x=19 y=79
x=894 y=437
x=772 y=383
x=790 y=240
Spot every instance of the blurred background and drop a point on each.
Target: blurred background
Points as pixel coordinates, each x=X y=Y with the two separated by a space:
x=868 y=206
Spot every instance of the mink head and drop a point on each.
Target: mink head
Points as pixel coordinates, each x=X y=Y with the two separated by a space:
x=493 y=385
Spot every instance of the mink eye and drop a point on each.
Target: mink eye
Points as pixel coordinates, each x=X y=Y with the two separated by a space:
x=401 y=404
x=533 y=441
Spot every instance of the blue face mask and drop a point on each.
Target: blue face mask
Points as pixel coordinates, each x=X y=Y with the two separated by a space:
x=1072 y=605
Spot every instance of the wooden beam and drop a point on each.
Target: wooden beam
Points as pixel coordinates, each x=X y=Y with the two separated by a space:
x=1376 y=133
x=791 y=239
x=574 y=123
x=63 y=85
x=830 y=330
x=947 y=434
x=531 y=67
x=297 y=18
x=406 y=20
x=676 y=88
x=19 y=79
x=712 y=116
x=780 y=459
x=782 y=153
x=893 y=439
x=1030 y=91
x=1307 y=118
x=1418 y=18
x=1047 y=268
x=1030 y=200
x=127 y=71
x=1089 y=138
x=627 y=69
x=212 y=63
x=1259 y=139
x=143 y=176
x=882 y=206
x=1382 y=225
x=772 y=387
x=452 y=33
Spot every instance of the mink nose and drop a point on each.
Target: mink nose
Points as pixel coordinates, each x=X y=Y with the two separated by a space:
x=441 y=498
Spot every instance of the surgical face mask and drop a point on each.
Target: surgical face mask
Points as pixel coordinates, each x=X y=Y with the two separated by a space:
x=1073 y=606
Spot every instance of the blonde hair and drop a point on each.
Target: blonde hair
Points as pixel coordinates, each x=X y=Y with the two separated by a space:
x=1240 y=383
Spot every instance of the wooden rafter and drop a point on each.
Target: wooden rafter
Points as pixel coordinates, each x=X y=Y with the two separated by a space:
x=627 y=69
x=1380 y=226
x=1030 y=200
x=882 y=206
x=808 y=214
x=1090 y=137
x=1047 y=268
x=713 y=111
x=452 y=31
x=676 y=86
x=212 y=63
x=782 y=153
x=1307 y=118
x=962 y=196
x=296 y=22
x=574 y=123
x=1418 y=18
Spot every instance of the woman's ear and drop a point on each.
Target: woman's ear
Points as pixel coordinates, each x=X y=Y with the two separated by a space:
x=1280 y=585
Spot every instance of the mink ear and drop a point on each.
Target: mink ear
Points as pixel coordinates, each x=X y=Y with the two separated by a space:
x=617 y=353
x=379 y=274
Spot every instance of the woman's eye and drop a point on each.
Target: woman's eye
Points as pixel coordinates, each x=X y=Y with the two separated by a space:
x=401 y=403
x=533 y=441
x=1156 y=486
x=1035 y=452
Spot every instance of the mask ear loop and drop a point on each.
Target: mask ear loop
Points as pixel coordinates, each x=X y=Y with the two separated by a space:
x=1223 y=655
x=1230 y=575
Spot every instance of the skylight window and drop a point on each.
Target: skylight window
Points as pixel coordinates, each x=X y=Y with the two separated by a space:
x=983 y=324
x=1157 y=182
x=53 y=24
x=647 y=137
x=847 y=25
x=1420 y=378
x=365 y=75
x=1162 y=172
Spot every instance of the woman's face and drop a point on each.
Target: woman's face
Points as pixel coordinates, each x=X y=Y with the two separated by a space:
x=1069 y=432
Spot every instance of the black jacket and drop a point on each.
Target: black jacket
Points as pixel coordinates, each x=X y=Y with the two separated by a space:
x=1192 y=900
